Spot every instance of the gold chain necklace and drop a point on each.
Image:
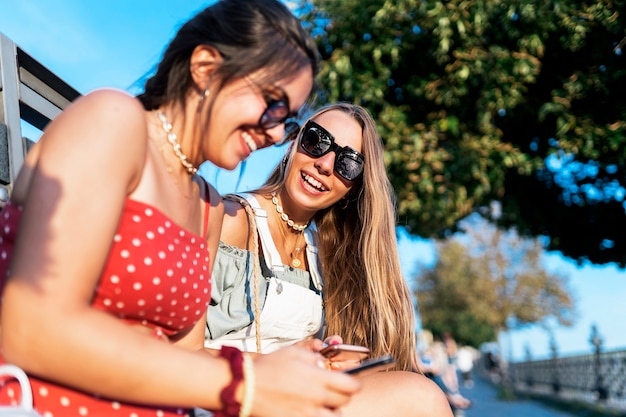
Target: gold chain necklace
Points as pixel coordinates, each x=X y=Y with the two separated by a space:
x=295 y=259
x=173 y=140
x=297 y=249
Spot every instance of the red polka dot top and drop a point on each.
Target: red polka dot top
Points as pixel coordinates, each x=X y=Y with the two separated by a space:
x=157 y=275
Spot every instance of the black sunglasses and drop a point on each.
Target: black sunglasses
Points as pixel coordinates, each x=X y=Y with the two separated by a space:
x=317 y=142
x=278 y=112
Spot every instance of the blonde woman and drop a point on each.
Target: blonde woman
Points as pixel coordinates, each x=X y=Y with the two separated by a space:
x=325 y=222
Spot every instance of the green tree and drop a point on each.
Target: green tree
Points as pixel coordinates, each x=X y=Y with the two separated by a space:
x=486 y=281
x=517 y=101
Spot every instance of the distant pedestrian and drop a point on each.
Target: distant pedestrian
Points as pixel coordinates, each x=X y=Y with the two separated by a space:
x=434 y=363
x=493 y=366
x=450 y=374
x=465 y=364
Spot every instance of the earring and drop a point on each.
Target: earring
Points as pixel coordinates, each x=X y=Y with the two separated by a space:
x=203 y=96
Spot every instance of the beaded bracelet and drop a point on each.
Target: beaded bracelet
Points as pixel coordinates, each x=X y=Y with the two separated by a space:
x=248 y=392
x=231 y=407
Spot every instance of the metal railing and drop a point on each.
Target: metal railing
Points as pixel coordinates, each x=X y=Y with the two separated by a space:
x=598 y=378
x=31 y=93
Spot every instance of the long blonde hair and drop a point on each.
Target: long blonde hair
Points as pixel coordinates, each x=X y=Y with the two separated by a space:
x=367 y=300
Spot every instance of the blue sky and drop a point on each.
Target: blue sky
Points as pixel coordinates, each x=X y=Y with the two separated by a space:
x=93 y=44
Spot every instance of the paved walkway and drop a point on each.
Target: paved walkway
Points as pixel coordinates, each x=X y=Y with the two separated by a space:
x=485 y=401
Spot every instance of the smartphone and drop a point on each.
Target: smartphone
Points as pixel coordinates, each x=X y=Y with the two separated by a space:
x=373 y=365
x=338 y=353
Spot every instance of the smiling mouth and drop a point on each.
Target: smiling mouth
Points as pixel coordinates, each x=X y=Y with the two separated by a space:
x=313 y=182
x=249 y=141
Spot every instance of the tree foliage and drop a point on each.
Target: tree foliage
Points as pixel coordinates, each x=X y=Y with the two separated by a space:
x=490 y=281
x=517 y=101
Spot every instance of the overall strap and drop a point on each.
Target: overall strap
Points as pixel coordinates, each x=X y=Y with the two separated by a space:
x=311 y=254
x=272 y=257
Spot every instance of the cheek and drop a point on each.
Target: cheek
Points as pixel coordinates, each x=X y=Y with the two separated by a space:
x=220 y=152
x=341 y=185
x=339 y=191
x=296 y=162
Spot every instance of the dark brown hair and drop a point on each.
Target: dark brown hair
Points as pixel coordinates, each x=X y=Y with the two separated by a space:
x=249 y=35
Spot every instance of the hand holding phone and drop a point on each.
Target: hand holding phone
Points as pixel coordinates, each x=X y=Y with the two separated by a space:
x=343 y=352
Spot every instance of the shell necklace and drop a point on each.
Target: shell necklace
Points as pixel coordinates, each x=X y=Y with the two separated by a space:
x=297 y=228
x=173 y=140
x=286 y=219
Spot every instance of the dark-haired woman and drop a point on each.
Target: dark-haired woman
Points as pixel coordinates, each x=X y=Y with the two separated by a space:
x=108 y=240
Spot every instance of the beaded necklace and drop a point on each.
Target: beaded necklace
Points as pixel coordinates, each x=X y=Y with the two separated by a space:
x=286 y=219
x=298 y=228
x=173 y=140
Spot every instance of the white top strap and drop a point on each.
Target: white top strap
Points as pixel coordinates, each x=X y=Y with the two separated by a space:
x=272 y=257
x=311 y=253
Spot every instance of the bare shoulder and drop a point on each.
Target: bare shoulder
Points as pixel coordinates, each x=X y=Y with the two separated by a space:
x=102 y=113
x=106 y=104
x=110 y=96
x=235 y=230
x=102 y=131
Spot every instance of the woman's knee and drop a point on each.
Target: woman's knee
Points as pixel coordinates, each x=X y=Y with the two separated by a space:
x=405 y=393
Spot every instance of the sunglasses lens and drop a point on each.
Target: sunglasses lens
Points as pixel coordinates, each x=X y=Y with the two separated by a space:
x=348 y=165
x=275 y=114
x=315 y=142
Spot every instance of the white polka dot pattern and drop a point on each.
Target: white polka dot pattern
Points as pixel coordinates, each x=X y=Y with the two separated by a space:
x=9 y=219
x=154 y=265
x=157 y=275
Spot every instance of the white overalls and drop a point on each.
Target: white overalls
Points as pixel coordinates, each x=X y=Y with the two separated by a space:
x=290 y=312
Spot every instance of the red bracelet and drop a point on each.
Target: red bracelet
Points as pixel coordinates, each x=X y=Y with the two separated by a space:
x=231 y=406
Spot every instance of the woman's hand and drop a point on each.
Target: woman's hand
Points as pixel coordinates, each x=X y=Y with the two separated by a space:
x=333 y=340
x=294 y=381
x=333 y=364
x=314 y=345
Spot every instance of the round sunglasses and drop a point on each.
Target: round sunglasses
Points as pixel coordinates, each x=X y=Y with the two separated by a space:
x=277 y=112
x=317 y=142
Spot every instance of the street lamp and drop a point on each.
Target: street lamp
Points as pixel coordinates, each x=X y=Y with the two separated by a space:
x=556 y=384
x=596 y=340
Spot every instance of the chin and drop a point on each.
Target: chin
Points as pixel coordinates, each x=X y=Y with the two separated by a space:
x=231 y=167
x=227 y=163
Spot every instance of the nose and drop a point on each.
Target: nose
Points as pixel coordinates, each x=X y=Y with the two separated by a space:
x=274 y=135
x=325 y=163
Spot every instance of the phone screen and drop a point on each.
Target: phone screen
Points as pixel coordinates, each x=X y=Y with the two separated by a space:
x=373 y=365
